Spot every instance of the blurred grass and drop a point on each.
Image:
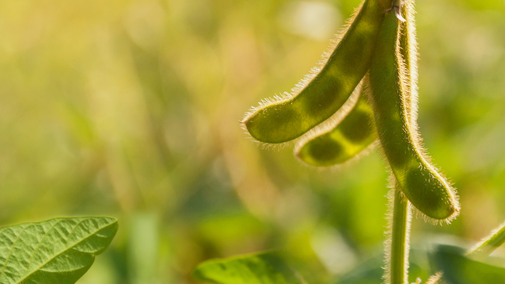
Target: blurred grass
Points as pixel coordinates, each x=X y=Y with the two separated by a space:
x=131 y=109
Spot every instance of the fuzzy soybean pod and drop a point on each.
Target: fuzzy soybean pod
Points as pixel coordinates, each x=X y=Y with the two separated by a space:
x=342 y=141
x=354 y=134
x=408 y=46
x=324 y=91
x=419 y=180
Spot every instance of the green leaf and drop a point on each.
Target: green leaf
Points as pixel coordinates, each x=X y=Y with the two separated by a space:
x=263 y=268
x=459 y=269
x=59 y=250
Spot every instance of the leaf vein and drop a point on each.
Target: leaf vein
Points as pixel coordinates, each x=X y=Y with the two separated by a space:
x=12 y=248
x=34 y=252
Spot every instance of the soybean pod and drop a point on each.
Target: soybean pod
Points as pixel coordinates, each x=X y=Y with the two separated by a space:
x=426 y=188
x=342 y=141
x=324 y=91
x=408 y=46
x=324 y=147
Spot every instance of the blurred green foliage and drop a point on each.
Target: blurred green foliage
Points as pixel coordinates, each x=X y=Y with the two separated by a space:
x=459 y=269
x=263 y=268
x=131 y=109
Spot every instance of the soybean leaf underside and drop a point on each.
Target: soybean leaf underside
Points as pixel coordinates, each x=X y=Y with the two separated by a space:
x=59 y=250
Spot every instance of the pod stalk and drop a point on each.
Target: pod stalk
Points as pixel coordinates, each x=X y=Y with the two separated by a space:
x=489 y=244
x=397 y=245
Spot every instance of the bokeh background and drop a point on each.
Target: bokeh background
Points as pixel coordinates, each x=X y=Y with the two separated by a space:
x=131 y=109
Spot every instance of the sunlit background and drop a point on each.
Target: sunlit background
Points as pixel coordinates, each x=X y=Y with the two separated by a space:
x=131 y=109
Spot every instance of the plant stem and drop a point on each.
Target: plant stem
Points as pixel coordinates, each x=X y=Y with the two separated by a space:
x=399 y=238
x=489 y=244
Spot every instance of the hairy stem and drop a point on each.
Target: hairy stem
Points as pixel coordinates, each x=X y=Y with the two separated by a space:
x=489 y=244
x=399 y=239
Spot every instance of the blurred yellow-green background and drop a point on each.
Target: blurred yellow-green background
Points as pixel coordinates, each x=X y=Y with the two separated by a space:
x=131 y=109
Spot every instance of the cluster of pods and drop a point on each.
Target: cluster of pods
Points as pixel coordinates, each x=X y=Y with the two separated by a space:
x=364 y=91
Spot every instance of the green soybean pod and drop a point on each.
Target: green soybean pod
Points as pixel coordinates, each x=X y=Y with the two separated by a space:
x=322 y=93
x=409 y=51
x=344 y=140
x=340 y=141
x=419 y=180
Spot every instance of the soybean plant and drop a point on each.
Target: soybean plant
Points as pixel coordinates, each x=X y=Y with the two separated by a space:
x=381 y=40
